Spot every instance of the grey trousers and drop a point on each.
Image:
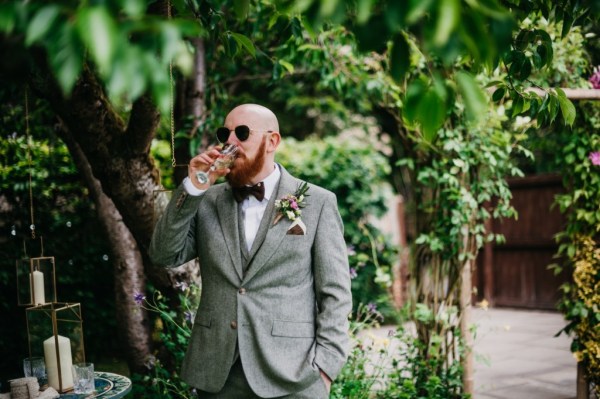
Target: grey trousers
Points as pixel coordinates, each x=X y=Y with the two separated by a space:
x=237 y=387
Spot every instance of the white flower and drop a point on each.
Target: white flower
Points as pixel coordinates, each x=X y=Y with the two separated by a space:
x=290 y=215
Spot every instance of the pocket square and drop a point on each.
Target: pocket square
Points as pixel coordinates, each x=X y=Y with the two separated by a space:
x=298 y=228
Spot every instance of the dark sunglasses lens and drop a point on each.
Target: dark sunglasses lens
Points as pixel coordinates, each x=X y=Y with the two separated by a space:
x=242 y=132
x=222 y=134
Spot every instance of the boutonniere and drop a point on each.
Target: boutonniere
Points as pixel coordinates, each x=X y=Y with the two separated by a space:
x=291 y=206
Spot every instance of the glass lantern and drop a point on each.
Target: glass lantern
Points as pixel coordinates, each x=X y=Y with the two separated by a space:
x=55 y=332
x=36 y=279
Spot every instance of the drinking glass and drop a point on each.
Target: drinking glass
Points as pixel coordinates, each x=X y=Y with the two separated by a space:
x=226 y=158
x=35 y=367
x=83 y=378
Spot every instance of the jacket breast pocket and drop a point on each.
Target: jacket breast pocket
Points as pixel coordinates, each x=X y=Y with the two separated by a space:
x=203 y=319
x=293 y=329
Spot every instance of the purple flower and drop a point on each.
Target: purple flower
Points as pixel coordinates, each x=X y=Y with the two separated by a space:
x=595 y=158
x=139 y=298
x=189 y=316
x=353 y=273
x=371 y=307
x=595 y=78
x=294 y=205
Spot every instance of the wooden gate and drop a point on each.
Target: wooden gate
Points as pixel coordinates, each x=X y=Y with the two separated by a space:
x=516 y=273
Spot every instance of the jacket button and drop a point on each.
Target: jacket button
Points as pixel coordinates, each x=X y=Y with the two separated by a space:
x=242 y=291
x=233 y=325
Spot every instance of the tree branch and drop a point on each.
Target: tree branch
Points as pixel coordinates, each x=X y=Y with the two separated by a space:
x=143 y=122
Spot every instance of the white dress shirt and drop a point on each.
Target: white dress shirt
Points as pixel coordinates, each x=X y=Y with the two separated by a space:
x=253 y=210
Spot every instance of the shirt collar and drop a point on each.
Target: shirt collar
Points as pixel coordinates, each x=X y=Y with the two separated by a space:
x=271 y=182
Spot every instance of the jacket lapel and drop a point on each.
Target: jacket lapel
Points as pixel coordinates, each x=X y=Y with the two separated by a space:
x=227 y=211
x=263 y=251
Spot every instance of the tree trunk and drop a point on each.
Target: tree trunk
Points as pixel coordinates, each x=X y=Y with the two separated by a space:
x=466 y=291
x=132 y=321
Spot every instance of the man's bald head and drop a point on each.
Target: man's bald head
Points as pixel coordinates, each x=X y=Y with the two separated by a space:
x=256 y=154
x=254 y=116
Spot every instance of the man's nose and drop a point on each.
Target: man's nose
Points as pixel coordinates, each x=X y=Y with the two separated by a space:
x=232 y=138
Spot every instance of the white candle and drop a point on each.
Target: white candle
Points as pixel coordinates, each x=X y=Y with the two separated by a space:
x=64 y=349
x=38 y=295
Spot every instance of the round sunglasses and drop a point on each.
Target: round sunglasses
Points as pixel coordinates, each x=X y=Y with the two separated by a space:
x=242 y=132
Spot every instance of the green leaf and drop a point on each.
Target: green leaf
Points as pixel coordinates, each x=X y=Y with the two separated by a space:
x=448 y=17
x=548 y=52
x=522 y=39
x=545 y=103
x=414 y=91
x=66 y=58
x=395 y=15
x=525 y=70
x=423 y=313
x=553 y=107
x=416 y=9
x=567 y=23
x=499 y=94
x=516 y=59
x=538 y=62
x=7 y=17
x=370 y=39
x=130 y=73
x=288 y=66
x=273 y=20
x=363 y=10
x=296 y=24
x=328 y=7
x=566 y=107
x=244 y=42
x=41 y=24
x=134 y=8
x=99 y=32
x=169 y=35
x=493 y=83
x=431 y=114
x=241 y=8
x=473 y=97
x=399 y=58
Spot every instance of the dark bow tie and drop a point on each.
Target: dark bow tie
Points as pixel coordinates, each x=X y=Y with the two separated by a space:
x=241 y=193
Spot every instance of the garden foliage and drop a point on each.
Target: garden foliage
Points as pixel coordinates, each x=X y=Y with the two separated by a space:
x=579 y=250
x=574 y=152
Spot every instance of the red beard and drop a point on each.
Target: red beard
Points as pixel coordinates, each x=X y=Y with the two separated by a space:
x=243 y=170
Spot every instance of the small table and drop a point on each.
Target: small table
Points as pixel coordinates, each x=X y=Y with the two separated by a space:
x=108 y=386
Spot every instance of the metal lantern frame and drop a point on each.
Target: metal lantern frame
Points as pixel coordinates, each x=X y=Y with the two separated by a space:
x=26 y=269
x=28 y=278
x=55 y=331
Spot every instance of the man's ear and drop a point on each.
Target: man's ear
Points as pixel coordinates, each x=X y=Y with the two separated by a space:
x=273 y=141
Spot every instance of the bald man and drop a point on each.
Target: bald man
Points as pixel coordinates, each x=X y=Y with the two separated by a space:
x=272 y=320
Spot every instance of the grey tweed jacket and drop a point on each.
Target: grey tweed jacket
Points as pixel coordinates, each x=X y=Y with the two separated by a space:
x=283 y=306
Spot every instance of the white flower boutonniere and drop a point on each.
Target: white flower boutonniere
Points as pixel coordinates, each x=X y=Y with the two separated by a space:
x=291 y=206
